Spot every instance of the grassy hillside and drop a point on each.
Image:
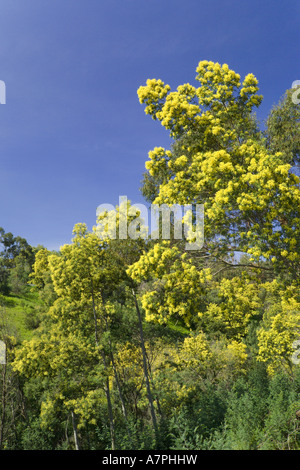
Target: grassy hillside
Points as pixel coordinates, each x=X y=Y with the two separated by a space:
x=19 y=314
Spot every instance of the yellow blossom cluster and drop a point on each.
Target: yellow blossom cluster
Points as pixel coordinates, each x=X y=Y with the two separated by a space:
x=239 y=302
x=177 y=286
x=279 y=330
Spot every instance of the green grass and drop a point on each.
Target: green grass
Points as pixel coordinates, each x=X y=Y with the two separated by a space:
x=14 y=310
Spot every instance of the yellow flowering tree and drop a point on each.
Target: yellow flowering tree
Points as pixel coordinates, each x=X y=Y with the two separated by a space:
x=77 y=326
x=236 y=303
x=219 y=158
x=279 y=329
x=175 y=287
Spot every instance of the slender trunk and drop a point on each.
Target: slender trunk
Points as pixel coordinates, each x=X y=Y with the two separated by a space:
x=106 y=387
x=146 y=374
x=117 y=378
x=76 y=440
x=121 y=397
x=3 y=405
x=156 y=398
x=117 y=381
x=109 y=406
x=118 y=386
x=110 y=414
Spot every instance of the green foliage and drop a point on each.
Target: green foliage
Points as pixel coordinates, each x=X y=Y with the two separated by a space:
x=192 y=424
x=283 y=129
x=260 y=414
x=16 y=260
x=142 y=344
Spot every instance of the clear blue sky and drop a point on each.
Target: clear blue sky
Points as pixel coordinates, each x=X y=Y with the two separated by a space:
x=73 y=134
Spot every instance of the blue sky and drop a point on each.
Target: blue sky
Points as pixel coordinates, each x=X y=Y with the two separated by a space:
x=73 y=134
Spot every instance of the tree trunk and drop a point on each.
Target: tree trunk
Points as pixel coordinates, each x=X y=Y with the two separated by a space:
x=106 y=388
x=117 y=381
x=3 y=405
x=146 y=374
x=76 y=440
x=156 y=398
x=110 y=414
